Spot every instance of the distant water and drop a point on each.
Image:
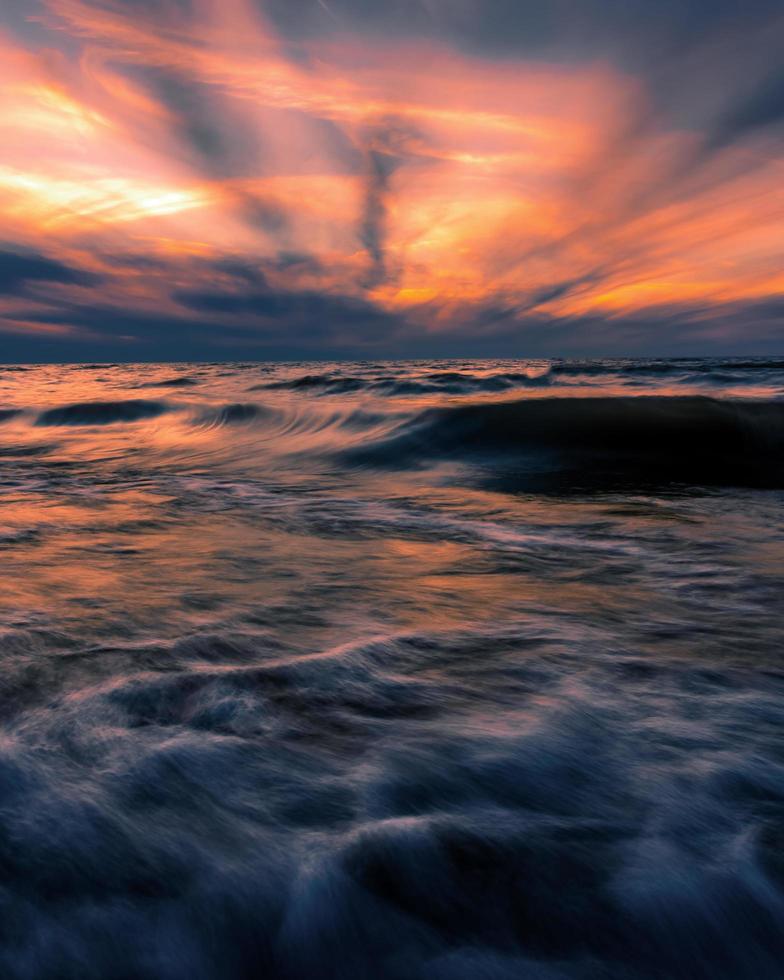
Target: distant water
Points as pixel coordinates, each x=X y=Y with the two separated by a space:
x=392 y=671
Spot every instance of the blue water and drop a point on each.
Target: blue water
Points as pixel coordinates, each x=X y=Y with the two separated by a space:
x=418 y=671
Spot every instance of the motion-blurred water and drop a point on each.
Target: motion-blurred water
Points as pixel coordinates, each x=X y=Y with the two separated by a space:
x=419 y=671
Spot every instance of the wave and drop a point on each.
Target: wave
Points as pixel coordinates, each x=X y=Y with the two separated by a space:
x=22 y=451
x=441 y=382
x=266 y=715
x=754 y=364
x=454 y=383
x=665 y=366
x=103 y=413
x=356 y=813
x=6 y=414
x=502 y=377
x=239 y=413
x=94 y=367
x=590 y=368
x=669 y=438
x=180 y=382
x=340 y=384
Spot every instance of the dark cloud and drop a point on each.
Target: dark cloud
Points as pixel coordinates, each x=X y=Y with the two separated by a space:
x=24 y=19
x=560 y=289
x=697 y=56
x=241 y=269
x=761 y=109
x=265 y=214
x=388 y=144
x=256 y=274
x=499 y=330
x=222 y=136
x=525 y=27
x=298 y=261
x=133 y=260
x=19 y=269
x=308 y=315
x=244 y=317
x=263 y=323
x=206 y=122
x=372 y=231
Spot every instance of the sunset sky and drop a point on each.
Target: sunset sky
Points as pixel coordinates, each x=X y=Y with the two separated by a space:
x=371 y=178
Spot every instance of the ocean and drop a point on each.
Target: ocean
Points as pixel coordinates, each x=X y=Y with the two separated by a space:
x=433 y=670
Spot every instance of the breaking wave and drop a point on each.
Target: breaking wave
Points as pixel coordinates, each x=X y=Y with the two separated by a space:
x=665 y=366
x=183 y=381
x=536 y=374
x=239 y=413
x=441 y=382
x=329 y=383
x=103 y=413
x=675 y=438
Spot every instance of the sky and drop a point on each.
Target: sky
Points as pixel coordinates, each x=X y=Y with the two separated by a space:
x=296 y=179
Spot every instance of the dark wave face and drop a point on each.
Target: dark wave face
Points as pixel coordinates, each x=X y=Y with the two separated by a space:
x=101 y=413
x=670 y=438
x=424 y=670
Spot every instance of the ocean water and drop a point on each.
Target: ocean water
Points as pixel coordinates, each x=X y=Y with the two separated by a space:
x=392 y=671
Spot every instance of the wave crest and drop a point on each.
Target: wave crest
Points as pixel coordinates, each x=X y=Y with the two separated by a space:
x=239 y=413
x=671 y=438
x=103 y=413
